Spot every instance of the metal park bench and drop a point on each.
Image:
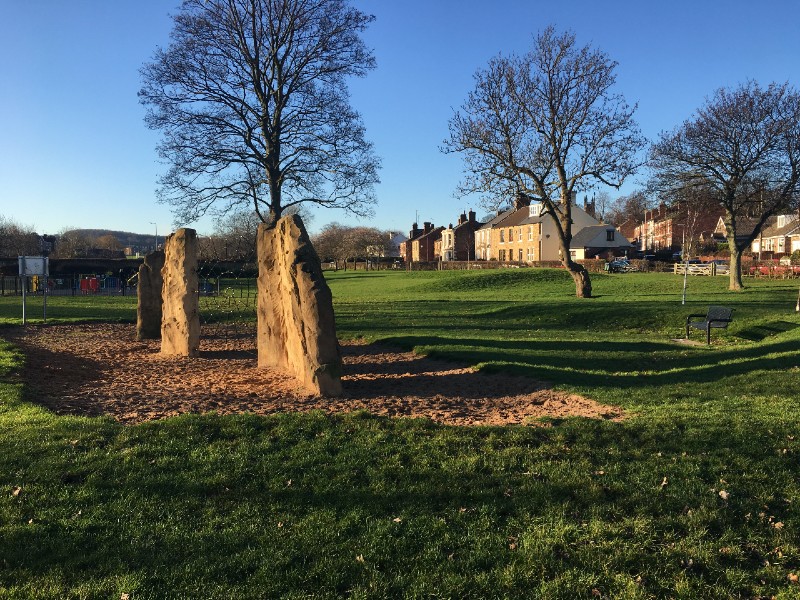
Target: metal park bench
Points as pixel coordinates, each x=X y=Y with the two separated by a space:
x=717 y=317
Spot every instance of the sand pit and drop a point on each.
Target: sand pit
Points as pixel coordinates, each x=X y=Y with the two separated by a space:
x=101 y=369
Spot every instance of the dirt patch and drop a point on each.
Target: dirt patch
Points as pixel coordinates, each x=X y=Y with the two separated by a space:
x=101 y=369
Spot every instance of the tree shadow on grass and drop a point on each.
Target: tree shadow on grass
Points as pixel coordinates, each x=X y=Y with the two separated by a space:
x=608 y=364
x=759 y=333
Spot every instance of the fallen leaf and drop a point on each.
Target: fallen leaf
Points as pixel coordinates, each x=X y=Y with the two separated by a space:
x=289 y=483
x=664 y=482
x=724 y=495
x=793 y=578
x=125 y=597
x=599 y=472
x=16 y=491
x=397 y=520
x=778 y=525
x=360 y=558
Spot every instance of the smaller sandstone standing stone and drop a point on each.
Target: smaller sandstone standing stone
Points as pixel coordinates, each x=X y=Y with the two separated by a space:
x=296 y=327
x=180 y=322
x=148 y=293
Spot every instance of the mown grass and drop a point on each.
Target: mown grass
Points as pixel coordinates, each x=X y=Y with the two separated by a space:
x=695 y=495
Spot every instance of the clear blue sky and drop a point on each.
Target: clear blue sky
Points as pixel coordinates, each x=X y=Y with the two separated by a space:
x=74 y=151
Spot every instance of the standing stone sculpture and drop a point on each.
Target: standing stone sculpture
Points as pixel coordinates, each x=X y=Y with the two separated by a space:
x=180 y=321
x=296 y=327
x=148 y=294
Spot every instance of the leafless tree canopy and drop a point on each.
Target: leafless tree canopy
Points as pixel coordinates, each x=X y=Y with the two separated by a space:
x=742 y=148
x=17 y=239
x=628 y=208
x=252 y=102
x=341 y=243
x=546 y=124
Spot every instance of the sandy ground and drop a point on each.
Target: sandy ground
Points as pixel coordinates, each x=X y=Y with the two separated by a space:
x=101 y=369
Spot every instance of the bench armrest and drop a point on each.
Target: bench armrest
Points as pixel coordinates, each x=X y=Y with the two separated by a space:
x=695 y=315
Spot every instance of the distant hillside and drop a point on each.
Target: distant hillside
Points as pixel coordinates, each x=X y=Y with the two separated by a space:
x=126 y=238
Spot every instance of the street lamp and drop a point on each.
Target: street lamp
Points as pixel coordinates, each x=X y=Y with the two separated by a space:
x=156 y=226
x=685 y=257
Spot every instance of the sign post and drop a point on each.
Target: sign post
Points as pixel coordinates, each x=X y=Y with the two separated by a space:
x=29 y=266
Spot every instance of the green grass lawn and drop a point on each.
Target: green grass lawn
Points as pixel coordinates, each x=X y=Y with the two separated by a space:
x=695 y=495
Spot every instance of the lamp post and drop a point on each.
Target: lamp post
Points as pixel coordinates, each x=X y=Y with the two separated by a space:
x=685 y=261
x=156 y=226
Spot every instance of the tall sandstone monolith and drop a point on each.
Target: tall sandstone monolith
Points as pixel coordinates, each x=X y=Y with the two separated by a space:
x=148 y=295
x=180 y=321
x=296 y=326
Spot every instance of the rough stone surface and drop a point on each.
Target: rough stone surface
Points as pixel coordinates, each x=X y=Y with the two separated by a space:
x=148 y=292
x=180 y=321
x=296 y=326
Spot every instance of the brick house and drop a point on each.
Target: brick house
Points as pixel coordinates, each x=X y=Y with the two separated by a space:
x=669 y=228
x=483 y=236
x=423 y=247
x=525 y=234
x=458 y=243
x=781 y=236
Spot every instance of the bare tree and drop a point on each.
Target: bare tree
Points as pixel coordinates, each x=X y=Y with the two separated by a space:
x=602 y=204
x=252 y=101
x=108 y=242
x=341 y=244
x=628 y=208
x=546 y=125
x=17 y=240
x=742 y=148
x=73 y=243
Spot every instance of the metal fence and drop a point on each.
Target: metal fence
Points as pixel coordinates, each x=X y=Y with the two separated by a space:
x=71 y=285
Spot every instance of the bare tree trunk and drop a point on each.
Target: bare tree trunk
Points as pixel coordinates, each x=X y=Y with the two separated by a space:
x=735 y=277
x=583 y=285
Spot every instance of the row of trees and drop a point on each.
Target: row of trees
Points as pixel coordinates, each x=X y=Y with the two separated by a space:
x=17 y=239
x=548 y=124
x=251 y=99
x=341 y=244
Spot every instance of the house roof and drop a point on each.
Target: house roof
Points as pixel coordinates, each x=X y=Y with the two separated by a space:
x=432 y=232
x=774 y=231
x=595 y=235
x=500 y=217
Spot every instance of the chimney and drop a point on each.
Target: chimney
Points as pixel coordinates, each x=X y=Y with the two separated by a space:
x=461 y=219
x=589 y=207
x=521 y=200
x=471 y=216
x=428 y=227
x=414 y=233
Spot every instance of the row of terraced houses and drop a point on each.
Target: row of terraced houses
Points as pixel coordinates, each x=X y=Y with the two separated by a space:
x=525 y=234
x=522 y=233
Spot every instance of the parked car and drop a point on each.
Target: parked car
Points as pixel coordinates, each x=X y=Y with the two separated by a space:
x=619 y=266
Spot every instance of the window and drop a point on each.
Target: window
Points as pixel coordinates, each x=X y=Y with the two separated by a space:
x=530 y=233
x=520 y=253
x=609 y=235
x=502 y=236
x=502 y=255
x=519 y=235
x=510 y=234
